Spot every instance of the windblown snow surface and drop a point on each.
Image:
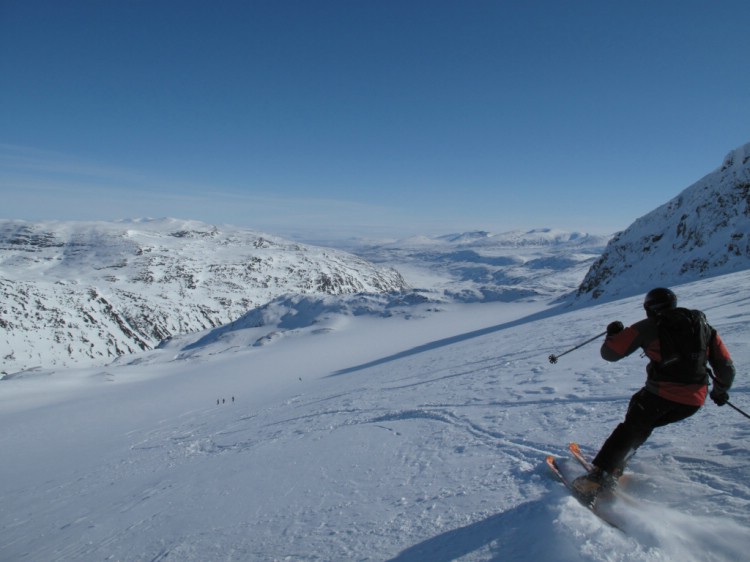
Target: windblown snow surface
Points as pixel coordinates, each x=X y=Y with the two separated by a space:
x=407 y=438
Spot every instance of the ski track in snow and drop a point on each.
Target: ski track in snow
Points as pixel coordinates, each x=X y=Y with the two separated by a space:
x=433 y=454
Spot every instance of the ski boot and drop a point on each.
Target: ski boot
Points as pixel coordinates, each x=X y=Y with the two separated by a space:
x=590 y=485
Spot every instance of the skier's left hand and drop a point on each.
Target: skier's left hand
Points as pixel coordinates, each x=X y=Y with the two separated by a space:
x=719 y=395
x=615 y=328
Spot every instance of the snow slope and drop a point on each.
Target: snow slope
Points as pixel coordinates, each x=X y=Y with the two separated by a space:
x=369 y=437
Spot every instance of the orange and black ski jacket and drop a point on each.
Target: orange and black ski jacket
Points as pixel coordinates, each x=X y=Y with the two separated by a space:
x=645 y=335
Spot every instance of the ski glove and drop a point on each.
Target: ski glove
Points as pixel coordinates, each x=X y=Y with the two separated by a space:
x=615 y=328
x=719 y=395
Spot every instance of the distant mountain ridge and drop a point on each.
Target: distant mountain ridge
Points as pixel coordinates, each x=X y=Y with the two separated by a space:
x=703 y=232
x=480 y=266
x=75 y=291
x=509 y=239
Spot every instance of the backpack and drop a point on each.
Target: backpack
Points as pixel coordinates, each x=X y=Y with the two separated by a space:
x=684 y=336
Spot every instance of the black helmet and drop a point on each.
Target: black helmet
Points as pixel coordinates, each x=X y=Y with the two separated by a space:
x=658 y=300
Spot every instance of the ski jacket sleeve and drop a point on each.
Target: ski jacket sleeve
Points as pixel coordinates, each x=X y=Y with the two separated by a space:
x=720 y=361
x=640 y=335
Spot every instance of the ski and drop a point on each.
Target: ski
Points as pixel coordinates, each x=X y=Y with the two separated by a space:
x=575 y=450
x=552 y=463
x=586 y=502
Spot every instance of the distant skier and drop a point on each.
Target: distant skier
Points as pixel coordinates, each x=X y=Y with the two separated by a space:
x=679 y=342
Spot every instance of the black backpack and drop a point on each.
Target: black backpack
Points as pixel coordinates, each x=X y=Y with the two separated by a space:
x=684 y=336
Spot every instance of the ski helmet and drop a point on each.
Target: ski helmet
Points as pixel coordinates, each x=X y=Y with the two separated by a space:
x=658 y=300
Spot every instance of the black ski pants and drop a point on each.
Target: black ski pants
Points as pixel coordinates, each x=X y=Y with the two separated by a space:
x=645 y=412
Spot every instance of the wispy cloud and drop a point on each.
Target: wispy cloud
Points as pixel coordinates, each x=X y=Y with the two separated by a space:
x=45 y=185
x=33 y=161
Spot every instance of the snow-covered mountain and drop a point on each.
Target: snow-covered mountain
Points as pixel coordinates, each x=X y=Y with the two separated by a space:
x=74 y=291
x=703 y=232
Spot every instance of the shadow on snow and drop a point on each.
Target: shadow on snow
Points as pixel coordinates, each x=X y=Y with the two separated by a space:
x=549 y=313
x=525 y=532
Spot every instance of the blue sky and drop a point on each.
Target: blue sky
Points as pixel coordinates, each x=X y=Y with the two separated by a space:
x=376 y=118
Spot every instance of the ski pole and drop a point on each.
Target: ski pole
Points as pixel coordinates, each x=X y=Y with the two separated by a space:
x=737 y=409
x=728 y=403
x=553 y=358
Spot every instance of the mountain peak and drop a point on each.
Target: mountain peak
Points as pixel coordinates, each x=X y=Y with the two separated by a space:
x=702 y=232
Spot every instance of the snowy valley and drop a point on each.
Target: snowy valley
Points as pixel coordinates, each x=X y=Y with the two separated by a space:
x=403 y=418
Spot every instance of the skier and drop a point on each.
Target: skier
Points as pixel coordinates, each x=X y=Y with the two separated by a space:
x=675 y=388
